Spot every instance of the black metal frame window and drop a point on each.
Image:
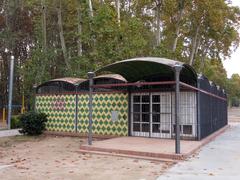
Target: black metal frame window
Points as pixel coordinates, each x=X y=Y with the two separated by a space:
x=151 y=114
x=140 y=115
x=161 y=115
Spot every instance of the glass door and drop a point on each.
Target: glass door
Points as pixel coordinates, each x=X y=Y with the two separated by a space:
x=151 y=115
x=140 y=115
x=161 y=115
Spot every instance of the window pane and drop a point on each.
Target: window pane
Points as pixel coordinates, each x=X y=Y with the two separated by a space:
x=156 y=118
x=145 y=108
x=146 y=98
x=156 y=128
x=156 y=98
x=136 y=108
x=136 y=127
x=187 y=129
x=136 y=117
x=136 y=99
x=145 y=117
x=156 y=108
x=145 y=127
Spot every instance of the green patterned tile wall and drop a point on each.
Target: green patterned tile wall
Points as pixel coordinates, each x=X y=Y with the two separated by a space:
x=103 y=105
x=61 y=113
x=60 y=110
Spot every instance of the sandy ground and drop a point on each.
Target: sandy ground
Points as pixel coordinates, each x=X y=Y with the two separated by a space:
x=49 y=157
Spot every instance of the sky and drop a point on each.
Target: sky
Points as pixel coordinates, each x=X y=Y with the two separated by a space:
x=232 y=64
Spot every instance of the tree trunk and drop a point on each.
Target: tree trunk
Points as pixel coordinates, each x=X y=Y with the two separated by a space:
x=158 y=19
x=118 y=12
x=129 y=5
x=202 y=63
x=91 y=15
x=60 y=26
x=198 y=45
x=44 y=25
x=6 y=7
x=203 y=55
x=79 y=32
x=10 y=7
x=44 y=34
x=90 y=8
x=180 y=15
x=194 y=45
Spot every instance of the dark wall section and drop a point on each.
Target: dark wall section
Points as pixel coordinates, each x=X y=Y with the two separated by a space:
x=84 y=86
x=52 y=87
x=212 y=110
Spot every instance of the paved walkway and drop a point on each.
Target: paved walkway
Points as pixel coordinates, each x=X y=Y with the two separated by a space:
x=147 y=147
x=219 y=160
x=234 y=114
x=12 y=132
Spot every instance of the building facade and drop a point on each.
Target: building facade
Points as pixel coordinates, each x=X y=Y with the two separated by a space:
x=137 y=100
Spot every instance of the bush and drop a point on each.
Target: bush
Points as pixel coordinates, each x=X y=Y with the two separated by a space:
x=33 y=123
x=15 y=122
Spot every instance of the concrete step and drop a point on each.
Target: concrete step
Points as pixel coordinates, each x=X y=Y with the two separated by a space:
x=155 y=159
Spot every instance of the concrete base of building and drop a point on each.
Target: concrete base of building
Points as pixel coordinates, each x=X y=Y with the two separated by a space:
x=147 y=148
x=81 y=135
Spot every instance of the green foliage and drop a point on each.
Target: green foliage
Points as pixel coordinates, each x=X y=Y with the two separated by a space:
x=15 y=122
x=32 y=123
x=233 y=90
x=212 y=24
x=215 y=71
x=235 y=102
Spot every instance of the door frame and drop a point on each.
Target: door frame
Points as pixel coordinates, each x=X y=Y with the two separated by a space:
x=150 y=133
x=161 y=134
x=140 y=134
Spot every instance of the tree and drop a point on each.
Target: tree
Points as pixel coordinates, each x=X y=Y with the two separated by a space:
x=234 y=90
x=181 y=4
x=61 y=35
x=52 y=39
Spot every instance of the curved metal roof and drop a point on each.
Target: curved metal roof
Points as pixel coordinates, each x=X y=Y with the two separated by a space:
x=70 y=80
x=139 y=68
x=112 y=76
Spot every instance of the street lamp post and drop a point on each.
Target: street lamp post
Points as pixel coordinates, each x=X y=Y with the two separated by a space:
x=10 y=90
x=177 y=69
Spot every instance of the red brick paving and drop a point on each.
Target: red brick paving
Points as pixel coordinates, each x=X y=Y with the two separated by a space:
x=149 y=147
